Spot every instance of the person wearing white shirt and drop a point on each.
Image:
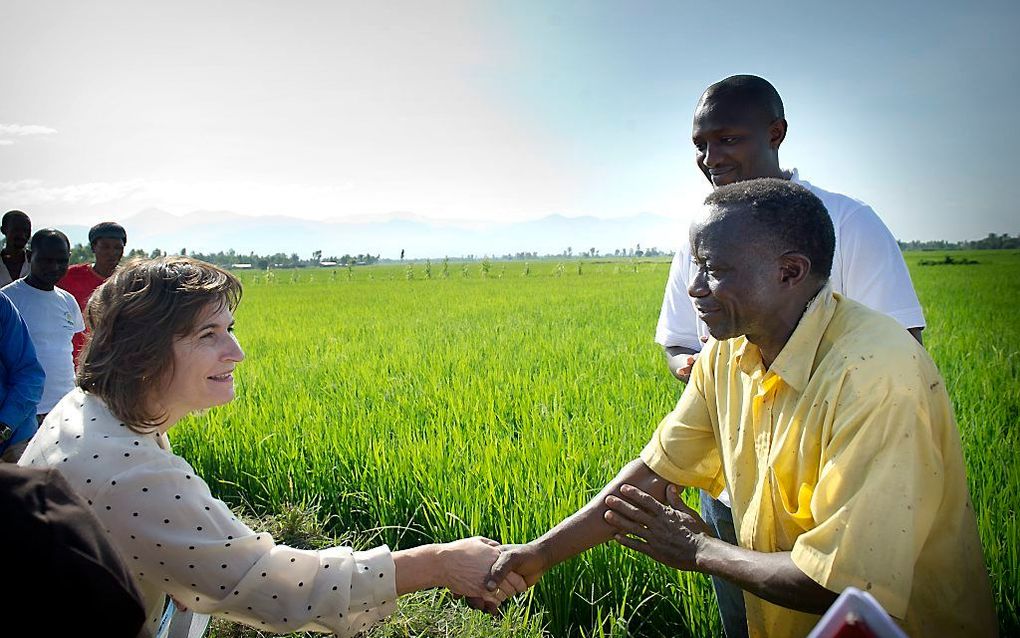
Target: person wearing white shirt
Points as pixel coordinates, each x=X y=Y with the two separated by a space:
x=163 y=346
x=16 y=228
x=51 y=314
x=739 y=124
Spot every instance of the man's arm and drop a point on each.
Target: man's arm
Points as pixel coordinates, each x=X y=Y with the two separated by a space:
x=578 y=533
x=679 y=359
x=675 y=535
x=771 y=576
x=25 y=377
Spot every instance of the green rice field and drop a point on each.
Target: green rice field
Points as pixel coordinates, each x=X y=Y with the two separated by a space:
x=420 y=402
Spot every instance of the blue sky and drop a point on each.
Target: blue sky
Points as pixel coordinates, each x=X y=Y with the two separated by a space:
x=497 y=111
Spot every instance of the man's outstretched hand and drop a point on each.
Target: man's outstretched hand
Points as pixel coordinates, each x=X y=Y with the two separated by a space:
x=525 y=560
x=671 y=534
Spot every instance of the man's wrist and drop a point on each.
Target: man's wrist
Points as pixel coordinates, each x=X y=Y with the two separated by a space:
x=708 y=554
x=544 y=551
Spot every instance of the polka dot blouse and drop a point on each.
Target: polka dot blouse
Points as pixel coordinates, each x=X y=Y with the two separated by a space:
x=177 y=539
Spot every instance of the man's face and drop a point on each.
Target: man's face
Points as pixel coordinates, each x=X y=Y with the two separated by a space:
x=18 y=230
x=734 y=142
x=736 y=287
x=49 y=260
x=108 y=252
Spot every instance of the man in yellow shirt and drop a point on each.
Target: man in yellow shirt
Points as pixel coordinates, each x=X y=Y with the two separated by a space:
x=827 y=422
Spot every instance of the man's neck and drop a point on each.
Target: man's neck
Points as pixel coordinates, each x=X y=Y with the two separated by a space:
x=13 y=253
x=774 y=337
x=776 y=172
x=103 y=272
x=38 y=285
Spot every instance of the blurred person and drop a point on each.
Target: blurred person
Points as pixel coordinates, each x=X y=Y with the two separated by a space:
x=17 y=229
x=64 y=576
x=739 y=125
x=162 y=346
x=107 y=241
x=51 y=314
x=828 y=423
x=21 y=383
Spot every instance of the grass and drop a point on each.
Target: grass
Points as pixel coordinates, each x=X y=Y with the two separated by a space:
x=498 y=399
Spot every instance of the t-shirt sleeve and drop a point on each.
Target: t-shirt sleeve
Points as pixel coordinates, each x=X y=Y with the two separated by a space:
x=875 y=273
x=678 y=323
x=878 y=490
x=72 y=307
x=175 y=535
x=684 y=449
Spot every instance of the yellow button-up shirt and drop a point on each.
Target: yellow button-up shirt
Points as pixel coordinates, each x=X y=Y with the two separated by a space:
x=845 y=453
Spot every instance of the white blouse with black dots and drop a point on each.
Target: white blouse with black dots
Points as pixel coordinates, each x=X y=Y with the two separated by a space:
x=179 y=540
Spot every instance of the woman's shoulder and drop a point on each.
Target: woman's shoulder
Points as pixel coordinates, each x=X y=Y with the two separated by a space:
x=90 y=446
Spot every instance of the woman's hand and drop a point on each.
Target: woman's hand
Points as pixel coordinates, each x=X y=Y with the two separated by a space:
x=465 y=568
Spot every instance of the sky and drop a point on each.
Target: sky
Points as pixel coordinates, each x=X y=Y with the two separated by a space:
x=496 y=111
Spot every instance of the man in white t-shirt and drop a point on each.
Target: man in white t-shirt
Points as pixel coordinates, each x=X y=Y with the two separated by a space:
x=17 y=229
x=739 y=125
x=51 y=314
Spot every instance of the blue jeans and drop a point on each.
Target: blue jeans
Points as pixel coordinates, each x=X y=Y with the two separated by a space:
x=731 y=598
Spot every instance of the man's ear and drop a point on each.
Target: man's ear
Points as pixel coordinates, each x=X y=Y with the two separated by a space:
x=777 y=132
x=794 y=268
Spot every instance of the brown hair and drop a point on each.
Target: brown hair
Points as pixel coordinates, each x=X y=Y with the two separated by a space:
x=134 y=318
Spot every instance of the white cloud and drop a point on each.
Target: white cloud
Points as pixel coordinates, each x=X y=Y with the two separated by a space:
x=32 y=191
x=6 y=142
x=248 y=197
x=26 y=129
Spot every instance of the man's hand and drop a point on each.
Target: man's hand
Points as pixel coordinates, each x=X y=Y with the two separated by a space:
x=525 y=560
x=683 y=372
x=466 y=565
x=681 y=360
x=670 y=534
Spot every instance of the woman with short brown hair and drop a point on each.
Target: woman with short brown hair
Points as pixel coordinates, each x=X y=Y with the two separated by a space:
x=162 y=346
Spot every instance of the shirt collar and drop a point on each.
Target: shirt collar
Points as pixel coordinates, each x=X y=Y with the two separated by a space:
x=796 y=359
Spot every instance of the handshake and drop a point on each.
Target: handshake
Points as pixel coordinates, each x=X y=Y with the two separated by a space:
x=486 y=573
x=482 y=571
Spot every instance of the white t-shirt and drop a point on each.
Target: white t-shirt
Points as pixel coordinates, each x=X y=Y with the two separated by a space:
x=52 y=317
x=5 y=275
x=867 y=266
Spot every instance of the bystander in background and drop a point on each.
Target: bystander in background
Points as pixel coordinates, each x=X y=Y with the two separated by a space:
x=21 y=383
x=107 y=241
x=16 y=228
x=51 y=314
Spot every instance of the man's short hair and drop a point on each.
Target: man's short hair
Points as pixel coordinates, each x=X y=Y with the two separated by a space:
x=750 y=91
x=791 y=215
x=107 y=230
x=49 y=233
x=12 y=214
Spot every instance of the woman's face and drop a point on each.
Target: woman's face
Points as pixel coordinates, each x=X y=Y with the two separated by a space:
x=203 y=365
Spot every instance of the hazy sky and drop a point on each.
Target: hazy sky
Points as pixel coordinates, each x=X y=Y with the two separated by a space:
x=496 y=110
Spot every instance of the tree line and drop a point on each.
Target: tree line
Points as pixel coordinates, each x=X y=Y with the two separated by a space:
x=991 y=242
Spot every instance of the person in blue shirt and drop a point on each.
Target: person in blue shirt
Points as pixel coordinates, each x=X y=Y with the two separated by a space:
x=21 y=383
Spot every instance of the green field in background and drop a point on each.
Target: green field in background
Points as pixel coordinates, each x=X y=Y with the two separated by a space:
x=499 y=398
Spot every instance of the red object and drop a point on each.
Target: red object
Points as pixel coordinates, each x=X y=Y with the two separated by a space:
x=854 y=627
x=81 y=280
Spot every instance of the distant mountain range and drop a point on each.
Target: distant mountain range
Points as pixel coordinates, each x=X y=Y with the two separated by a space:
x=213 y=231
